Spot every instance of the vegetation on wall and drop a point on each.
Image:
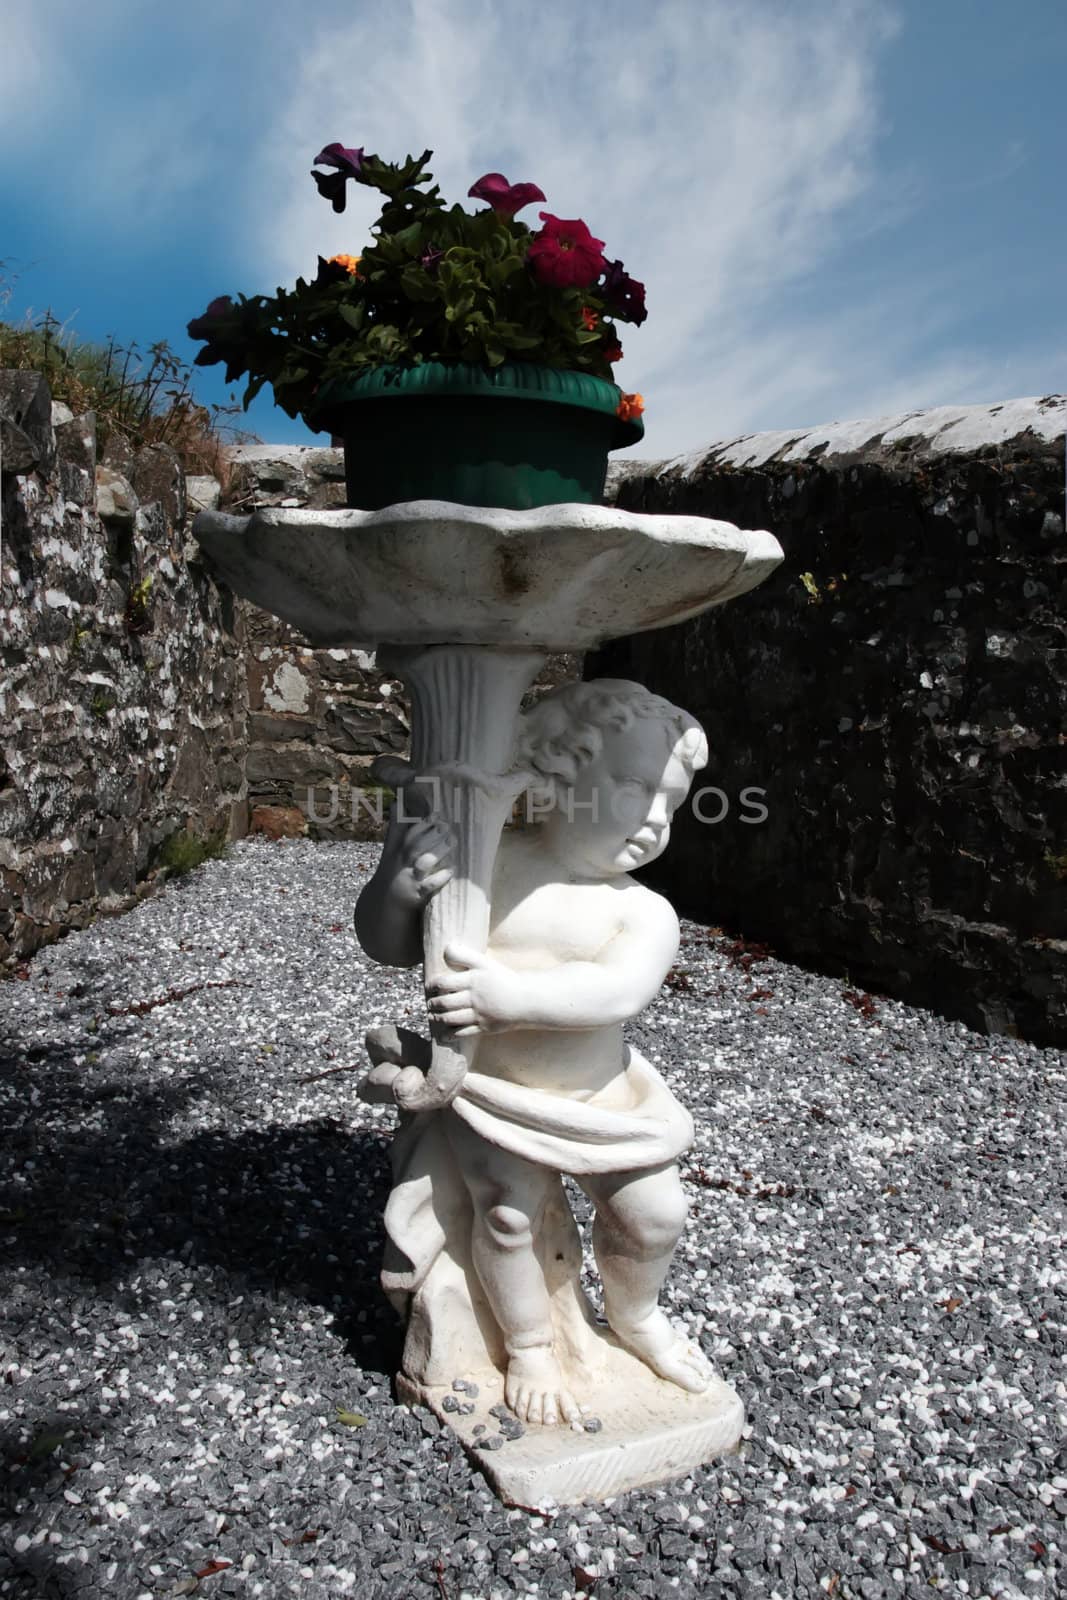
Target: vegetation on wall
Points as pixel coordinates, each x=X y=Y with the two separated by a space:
x=145 y=397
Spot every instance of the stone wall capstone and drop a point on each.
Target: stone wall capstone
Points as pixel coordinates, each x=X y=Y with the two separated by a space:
x=894 y=695
x=121 y=674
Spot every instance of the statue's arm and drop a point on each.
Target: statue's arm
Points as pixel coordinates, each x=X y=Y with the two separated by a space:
x=488 y=997
x=414 y=865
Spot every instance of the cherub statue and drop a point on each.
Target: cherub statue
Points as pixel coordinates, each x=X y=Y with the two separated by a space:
x=482 y=1250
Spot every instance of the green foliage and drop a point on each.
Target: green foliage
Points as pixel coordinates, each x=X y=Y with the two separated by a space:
x=181 y=852
x=435 y=284
x=138 y=611
x=78 y=637
x=102 y=705
x=1057 y=864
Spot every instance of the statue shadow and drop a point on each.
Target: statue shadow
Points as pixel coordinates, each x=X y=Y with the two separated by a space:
x=96 y=1184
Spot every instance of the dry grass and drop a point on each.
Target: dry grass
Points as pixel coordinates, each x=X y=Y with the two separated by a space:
x=143 y=397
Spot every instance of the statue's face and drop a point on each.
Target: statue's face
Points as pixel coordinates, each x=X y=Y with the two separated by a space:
x=617 y=815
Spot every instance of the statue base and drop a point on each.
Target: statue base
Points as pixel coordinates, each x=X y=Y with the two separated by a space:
x=650 y=1432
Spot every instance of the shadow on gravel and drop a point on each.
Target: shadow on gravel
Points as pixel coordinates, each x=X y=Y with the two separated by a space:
x=91 y=1187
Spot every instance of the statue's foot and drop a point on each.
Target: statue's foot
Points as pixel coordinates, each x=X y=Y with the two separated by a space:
x=669 y=1353
x=534 y=1389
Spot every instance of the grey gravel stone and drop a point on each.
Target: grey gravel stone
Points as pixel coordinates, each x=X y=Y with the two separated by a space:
x=190 y=1239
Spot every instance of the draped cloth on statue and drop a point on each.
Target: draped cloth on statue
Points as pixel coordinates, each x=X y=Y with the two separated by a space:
x=428 y=1273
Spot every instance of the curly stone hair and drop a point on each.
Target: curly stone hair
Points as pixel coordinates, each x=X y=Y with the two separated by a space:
x=565 y=729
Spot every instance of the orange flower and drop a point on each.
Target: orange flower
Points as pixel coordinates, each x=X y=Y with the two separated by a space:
x=590 y=318
x=350 y=264
x=630 y=407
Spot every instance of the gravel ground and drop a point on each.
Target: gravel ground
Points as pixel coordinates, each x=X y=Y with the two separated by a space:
x=197 y=1359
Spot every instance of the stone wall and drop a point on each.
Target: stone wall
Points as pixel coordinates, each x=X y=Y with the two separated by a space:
x=317 y=718
x=897 y=691
x=121 y=675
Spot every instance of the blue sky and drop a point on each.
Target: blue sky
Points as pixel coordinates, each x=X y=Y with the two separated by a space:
x=840 y=208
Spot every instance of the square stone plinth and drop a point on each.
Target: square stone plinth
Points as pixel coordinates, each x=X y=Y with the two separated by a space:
x=650 y=1432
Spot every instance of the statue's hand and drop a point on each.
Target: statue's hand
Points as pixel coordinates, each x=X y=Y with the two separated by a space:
x=423 y=863
x=481 y=996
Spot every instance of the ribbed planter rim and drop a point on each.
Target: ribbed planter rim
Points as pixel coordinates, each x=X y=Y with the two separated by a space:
x=516 y=380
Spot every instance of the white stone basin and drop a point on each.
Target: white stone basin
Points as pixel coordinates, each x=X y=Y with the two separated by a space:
x=563 y=577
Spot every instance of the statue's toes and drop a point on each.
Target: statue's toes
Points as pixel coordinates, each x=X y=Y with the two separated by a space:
x=569 y=1407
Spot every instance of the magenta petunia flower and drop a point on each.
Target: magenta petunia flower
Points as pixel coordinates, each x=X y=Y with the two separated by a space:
x=623 y=296
x=504 y=197
x=349 y=163
x=565 y=254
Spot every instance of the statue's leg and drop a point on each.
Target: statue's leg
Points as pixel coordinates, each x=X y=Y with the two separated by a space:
x=508 y=1196
x=639 y=1220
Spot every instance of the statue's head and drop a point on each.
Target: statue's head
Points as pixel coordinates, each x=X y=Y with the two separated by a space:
x=613 y=761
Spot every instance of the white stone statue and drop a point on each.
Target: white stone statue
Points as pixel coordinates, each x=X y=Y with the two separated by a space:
x=536 y=947
x=482 y=1252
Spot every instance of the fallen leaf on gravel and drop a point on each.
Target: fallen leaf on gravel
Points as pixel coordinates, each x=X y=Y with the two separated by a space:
x=212 y=1567
x=351 y=1419
x=952 y=1304
x=44 y=1444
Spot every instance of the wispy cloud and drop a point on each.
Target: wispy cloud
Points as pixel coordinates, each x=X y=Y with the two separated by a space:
x=734 y=153
x=717 y=148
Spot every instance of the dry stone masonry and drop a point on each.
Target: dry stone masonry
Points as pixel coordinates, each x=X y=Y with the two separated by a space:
x=121 y=675
x=316 y=718
x=908 y=659
x=909 y=663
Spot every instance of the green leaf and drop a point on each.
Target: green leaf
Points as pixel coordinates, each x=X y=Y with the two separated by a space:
x=351 y=1419
x=418 y=285
x=45 y=1444
x=409 y=239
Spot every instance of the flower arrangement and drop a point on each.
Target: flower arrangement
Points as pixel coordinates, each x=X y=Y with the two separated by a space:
x=437 y=283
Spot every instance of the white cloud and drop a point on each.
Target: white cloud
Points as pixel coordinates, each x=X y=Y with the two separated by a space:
x=731 y=152
x=716 y=148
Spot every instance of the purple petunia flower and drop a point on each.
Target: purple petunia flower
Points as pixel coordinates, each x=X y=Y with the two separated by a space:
x=623 y=296
x=431 y=260
x=349 y=164
x=504 y=197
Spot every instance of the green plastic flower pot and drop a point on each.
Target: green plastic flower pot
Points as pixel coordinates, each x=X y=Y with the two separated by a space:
x=516 y=436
